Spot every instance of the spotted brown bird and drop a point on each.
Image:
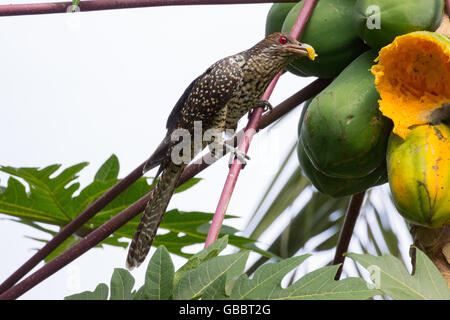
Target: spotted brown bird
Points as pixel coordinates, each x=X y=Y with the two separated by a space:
x=217 y=99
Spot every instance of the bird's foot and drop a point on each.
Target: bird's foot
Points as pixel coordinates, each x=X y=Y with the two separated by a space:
x=265 y=104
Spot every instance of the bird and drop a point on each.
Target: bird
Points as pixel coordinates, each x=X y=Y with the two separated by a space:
x=215 y=100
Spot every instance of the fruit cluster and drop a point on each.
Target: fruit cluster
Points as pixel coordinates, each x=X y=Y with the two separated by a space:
x=385 y=115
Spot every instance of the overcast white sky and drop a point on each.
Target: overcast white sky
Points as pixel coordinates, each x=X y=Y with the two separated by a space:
x=77 y=88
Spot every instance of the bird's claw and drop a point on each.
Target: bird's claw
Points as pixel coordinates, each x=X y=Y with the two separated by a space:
x=265 y=104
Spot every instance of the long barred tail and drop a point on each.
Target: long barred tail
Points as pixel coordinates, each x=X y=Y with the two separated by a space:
x=153 y=214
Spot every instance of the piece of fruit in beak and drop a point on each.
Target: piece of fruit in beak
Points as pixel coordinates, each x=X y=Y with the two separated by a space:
x=303 y=49
x=311 y=52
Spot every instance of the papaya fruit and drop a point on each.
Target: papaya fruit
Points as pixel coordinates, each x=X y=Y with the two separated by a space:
x=378 y=22
x=335 y=187
x=276 y=16
x=419 y=174
x=330 y=31
x=343 y=131
x=413 y=79
x=338 y=187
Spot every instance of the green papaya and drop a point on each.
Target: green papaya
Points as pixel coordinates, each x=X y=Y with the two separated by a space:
x=419 y=174
x=378 y=22
x=338 y=187
x=330 y=31
x=344 y=133
x=305 y=107
x=276 y=16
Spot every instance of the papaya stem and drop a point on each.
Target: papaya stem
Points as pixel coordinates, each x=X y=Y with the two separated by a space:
x=94 y=5
x=354 y=207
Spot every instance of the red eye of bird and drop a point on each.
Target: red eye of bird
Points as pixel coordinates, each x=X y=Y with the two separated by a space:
x=283 y=40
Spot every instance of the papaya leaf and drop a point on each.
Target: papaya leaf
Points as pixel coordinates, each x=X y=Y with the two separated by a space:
x=187 y=185
x=194 y=282
x=310 y=221
x=109 y=170
x=48 y=197
x=317 y=285
x=68 y=243
x=122 y=283
x=51 y=200
x=220 y=277
x=100 y=293
x=394 y=280
x=209 y=252
x=159 y=276
x=216 y=291
x=186 y=228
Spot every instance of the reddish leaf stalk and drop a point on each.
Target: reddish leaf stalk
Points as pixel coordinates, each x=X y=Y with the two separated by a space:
x=118 y=221
x=448 y=7
x=94 y=5
x=354 y=207
x=250 y=130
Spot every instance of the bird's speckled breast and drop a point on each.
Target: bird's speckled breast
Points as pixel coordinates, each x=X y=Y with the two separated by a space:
x=257 y=74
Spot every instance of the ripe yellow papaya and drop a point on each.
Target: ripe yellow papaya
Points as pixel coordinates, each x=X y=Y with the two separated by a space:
x=419 y=174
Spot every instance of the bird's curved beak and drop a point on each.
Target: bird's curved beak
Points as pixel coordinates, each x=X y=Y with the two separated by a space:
x=302 y=49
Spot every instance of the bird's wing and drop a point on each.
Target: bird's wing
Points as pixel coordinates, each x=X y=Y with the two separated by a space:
x=161 y=151
x=174 y=114
x=203 y=100
x=207 y=95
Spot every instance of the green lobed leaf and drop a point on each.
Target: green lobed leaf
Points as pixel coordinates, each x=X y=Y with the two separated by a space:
x=396 y=282
x=51 y=200
x=159 y=276
x=48 y=197
x=216 y=291
x=109 y=170
x=122 y=283
x=266 y=278
x=209 y=252
x=100 y=293
x=317 y=285
x=68 y=243
x=187 y=185
x=196 y=281
x=310 y=221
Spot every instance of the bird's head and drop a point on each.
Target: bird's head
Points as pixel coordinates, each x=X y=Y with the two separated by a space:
x=285 y=47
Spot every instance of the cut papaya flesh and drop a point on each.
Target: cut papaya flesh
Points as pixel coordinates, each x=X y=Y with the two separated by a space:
x=413 y=79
